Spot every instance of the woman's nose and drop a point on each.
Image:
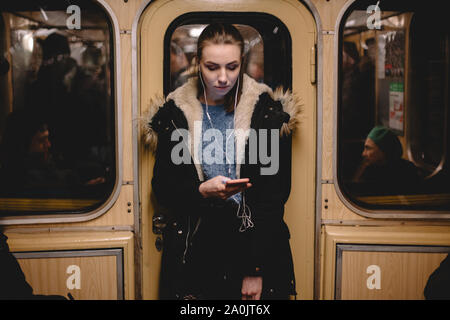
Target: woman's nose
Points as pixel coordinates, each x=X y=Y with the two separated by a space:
x=222 y=78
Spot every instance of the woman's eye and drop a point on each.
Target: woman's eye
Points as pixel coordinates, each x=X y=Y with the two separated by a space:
x=232 y=67
x=212 y=68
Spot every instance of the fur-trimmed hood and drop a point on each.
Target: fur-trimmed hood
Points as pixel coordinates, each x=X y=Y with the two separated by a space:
x=185 y=98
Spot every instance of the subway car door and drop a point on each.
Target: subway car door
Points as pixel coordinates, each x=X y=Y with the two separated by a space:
x=281 y=37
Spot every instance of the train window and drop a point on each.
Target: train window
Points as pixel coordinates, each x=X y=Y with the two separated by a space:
x=393 y=106
x=57 y=118
x=267 y=47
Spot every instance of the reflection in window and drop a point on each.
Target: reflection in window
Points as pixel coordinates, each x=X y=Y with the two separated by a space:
x=56 y=107
x=393 y=107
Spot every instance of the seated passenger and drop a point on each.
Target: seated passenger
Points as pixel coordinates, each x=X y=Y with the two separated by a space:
x=27 y=166
x=383 y=171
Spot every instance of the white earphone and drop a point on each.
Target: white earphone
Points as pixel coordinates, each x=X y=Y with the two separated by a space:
x=246 y=215
x=209 y=117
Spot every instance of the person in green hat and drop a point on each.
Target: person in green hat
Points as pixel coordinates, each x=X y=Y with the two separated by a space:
x=383 y=169
x=381 y=146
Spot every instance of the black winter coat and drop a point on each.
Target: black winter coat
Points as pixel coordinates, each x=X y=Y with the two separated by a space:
x=204 y=254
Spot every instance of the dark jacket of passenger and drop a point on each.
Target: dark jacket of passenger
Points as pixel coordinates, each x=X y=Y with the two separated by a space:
x=13 y=284
x=396 y=177
x=12 y=280
x=438 y=284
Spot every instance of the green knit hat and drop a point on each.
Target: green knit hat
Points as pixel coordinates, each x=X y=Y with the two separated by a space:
x=387 y=141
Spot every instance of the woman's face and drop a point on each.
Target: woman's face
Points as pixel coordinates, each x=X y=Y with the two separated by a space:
x=220 y=65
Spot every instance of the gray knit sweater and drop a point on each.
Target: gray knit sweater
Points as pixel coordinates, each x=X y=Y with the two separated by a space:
x=218 y=145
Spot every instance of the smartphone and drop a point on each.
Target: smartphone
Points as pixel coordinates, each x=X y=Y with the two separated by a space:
x=237 y=182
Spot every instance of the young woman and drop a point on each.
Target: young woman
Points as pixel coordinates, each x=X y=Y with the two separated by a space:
x=225 y=236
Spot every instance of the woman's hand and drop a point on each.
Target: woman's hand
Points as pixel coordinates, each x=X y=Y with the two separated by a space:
x=218 y=188
x=252 y=288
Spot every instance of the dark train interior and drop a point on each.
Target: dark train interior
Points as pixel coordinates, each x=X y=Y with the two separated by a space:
x=57 y=115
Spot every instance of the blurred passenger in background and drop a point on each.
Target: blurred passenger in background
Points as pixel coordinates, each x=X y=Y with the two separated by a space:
x=72 y=97
x=357 y=93
x=178 y=66
x=383 y=170
x=27 y=165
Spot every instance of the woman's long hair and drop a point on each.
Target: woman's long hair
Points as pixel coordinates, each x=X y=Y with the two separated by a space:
x=220 y=33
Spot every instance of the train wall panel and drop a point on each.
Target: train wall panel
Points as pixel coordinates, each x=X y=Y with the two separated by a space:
x=85 y=275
